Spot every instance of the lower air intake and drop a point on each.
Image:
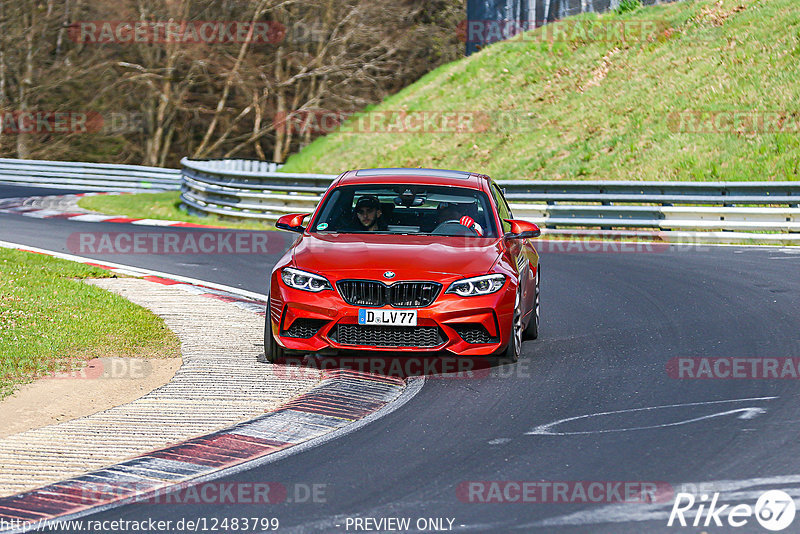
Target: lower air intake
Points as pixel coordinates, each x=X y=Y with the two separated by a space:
x=389 y=336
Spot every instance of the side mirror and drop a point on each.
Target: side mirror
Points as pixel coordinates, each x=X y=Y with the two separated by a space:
x=292 y=222
x=522 y=230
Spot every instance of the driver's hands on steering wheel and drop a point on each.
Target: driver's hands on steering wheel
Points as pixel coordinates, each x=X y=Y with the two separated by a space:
x=470 y=223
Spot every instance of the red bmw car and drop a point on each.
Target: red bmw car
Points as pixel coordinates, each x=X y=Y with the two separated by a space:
x=406 y=260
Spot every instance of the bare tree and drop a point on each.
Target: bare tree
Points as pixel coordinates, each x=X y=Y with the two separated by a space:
x=209 y=99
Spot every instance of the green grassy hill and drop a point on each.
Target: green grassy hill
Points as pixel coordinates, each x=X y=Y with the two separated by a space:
x=579 y=107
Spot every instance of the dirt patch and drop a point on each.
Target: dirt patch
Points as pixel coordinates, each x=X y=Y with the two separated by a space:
x=104 y=383
x=599 y=74
x=716 y=14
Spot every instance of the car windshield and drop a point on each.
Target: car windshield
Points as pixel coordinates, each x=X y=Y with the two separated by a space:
x=406 y=209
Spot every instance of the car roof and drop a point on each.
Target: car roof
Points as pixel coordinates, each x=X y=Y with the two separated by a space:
x=466 y=179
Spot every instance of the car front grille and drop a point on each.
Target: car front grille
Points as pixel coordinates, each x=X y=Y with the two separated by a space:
x=304 y=328
x=413 y=294
x=399 y=295
x=362 y=292
x=389 y=336
x=474 y=334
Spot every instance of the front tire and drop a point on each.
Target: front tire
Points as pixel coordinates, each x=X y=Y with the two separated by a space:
x=514 y=347
x=272 y=351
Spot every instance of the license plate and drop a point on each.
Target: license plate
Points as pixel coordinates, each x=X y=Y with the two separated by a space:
x=388 y=317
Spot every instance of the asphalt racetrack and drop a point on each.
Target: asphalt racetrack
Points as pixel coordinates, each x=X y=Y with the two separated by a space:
x=612 y=325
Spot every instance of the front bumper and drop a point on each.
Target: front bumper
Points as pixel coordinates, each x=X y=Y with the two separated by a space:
x=471 y=326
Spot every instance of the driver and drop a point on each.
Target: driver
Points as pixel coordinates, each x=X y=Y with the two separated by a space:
x=367 y=214
x=453 y=212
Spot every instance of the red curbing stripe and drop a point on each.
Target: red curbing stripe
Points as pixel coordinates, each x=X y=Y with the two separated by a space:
x=269 y=443
x=71 y=491
x=223 y=298
x=121 y=220
x=32 y=504
x=159 y=280
x=235 y=446
x=99 y=265
x=64 y=215
x=65 y=500
x=8 y=511
x=208 y=456
x=217 y=451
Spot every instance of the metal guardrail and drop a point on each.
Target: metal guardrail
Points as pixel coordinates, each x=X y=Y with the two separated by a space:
x=88 y=176
x=703 y=211
x=212 y=187
x=247 y=189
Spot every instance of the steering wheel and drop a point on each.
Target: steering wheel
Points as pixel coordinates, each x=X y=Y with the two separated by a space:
x=451 y=227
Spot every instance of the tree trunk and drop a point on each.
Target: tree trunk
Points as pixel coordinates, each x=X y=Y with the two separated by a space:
x=280 y=131
x=23 y=139
x=201 y=150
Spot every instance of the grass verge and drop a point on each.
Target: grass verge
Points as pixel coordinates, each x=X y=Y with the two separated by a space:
x=51 y=322
x=579 y=101
x=165 y=206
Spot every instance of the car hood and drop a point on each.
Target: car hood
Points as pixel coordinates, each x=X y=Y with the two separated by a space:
x=409 y=257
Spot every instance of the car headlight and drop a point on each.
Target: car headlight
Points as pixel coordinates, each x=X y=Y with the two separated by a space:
x=479 y=285
x=304 y=281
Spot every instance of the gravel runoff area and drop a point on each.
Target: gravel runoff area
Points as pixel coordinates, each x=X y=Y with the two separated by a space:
x=220 y=383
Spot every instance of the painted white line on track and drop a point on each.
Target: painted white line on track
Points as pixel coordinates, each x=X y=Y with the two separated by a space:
x=747 y=413
x=153 y=222
x=91 y=217
x=138 y=271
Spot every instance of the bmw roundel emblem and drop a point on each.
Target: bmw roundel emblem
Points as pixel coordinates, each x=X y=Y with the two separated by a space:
x=388 y=274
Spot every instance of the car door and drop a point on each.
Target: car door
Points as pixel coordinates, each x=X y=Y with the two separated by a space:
x=522 y=252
